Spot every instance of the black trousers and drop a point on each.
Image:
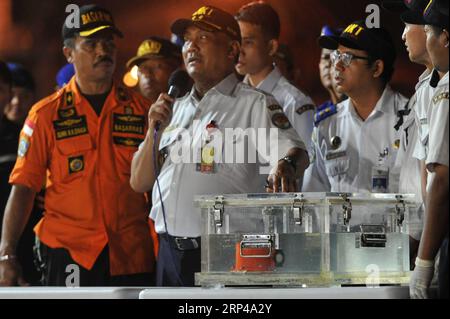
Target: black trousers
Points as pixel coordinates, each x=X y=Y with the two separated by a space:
x=59 y=271
x=443 y=270
x=175 y=267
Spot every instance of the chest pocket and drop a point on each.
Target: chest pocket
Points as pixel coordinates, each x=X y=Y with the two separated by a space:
x=73 y=157
x=336 y=164
x=168 y=140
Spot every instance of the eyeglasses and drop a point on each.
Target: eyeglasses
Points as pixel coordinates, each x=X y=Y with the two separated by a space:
x=346 y=58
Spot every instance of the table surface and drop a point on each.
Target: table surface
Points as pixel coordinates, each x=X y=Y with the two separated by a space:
x=397 y=292
x=385 y=292
x=70 y=293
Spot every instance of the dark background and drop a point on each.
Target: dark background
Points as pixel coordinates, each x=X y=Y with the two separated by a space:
x=30 y=33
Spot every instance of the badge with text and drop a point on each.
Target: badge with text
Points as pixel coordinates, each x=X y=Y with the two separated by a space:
x=207 y=164
x=70 y=127
x=128 y=123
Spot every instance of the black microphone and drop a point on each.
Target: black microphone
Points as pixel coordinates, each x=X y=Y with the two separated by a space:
x=178 y=85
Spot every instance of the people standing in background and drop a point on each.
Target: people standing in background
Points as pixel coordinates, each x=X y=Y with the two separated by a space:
x=411 y=14
x=355 y=143
x=435 y=150
x=15 y=113
x=64 y=75
x=217 y=101
x=326 y=72
x=260 y=30
x=81 y=139
x=156 y=58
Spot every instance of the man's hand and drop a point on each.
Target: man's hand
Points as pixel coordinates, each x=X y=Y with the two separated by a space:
x=160 y=111
x=282 y=179
x=421 y=279
x=11 y=273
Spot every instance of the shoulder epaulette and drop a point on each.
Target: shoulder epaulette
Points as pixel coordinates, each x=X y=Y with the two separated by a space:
x=439 y=97
x=122 y=94
x=324 y=106
x=324 y=113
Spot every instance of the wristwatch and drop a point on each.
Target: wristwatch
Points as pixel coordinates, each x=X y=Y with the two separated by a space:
x=291 y=160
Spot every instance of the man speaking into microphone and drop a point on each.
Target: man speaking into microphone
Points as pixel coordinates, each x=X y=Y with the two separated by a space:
x=217 y=101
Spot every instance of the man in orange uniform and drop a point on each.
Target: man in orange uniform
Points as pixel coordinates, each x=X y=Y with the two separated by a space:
x=94 y=230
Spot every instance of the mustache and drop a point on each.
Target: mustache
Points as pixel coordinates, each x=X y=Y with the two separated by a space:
x=104 y=59
x=193 y=57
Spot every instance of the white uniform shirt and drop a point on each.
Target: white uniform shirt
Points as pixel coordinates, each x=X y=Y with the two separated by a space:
x=231 y=104
x=409 y=166
x=298 y=107
x=349 y=167
x=438 y=127
x=424 y=98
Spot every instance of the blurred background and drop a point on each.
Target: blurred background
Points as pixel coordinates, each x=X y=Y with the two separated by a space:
x=30 y=33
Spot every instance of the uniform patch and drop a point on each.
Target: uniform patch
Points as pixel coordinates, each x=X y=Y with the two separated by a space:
x=28 y=128
x=76 y=164
x=128 y=110
x=127 y=141
x=334 y=155
x=396 y=144
x=70 y=127
x=24 y=145
x=122 y=94
x=69 y=98
x=440 y=97
x=127 y=123
x=281 y=121
x=304 y=108
x=67 y=113
x=424 y=121
x=274 y=107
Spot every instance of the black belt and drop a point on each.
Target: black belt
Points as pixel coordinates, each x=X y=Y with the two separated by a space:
x=182 y=243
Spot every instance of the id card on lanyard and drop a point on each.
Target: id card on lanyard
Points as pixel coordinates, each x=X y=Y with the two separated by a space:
x=380 y=174
x=207 y=164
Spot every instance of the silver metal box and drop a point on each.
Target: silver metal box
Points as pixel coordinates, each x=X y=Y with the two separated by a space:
x=304 y=239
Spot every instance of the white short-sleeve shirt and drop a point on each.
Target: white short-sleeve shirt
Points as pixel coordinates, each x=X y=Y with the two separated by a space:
x=298 y=107
x=424 y=98
x=348 y=167
x=410 y=175
x=438 y=127
x=410 y=178
x=231 y=105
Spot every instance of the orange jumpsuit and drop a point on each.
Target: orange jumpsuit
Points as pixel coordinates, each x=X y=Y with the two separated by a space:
x=90 y=202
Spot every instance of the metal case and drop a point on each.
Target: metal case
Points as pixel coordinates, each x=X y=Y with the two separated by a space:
x=304 y=239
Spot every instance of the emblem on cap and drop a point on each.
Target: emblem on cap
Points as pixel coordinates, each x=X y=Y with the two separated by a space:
x=149 y=47
x=335 y=142
x=354 y=29
x=96 y=16
x=201 y=13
